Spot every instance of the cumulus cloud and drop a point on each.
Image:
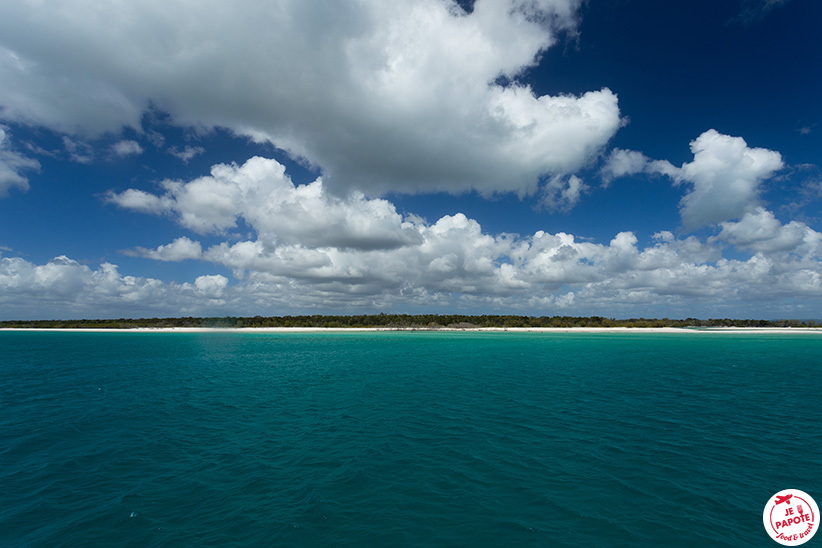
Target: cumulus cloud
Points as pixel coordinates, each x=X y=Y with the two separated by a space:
x=454 y=264
x=180 y=249
x=723 y=180
x=562 y=193
x=760 y=231
x=139 y=200
x=212 y=288
x=12 y=164
x=127 y=148
x=64 y=288
x=623 y=163
x=726 y=175
x=401 y=96
x=315 y=249
x=311 y=251
x=263 y=195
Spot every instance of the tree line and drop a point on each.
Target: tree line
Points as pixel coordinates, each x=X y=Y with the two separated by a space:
x=400 y=321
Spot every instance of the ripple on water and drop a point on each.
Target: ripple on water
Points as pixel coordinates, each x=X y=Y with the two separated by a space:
x=401 y=439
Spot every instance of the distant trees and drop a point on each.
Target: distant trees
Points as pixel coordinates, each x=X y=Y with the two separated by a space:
x=401 y=321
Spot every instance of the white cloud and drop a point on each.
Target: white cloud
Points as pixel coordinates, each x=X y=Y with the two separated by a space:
x=726 y=175
x=212 y=287
x=623 y=163
x=562 y=193
x=180 y=249
x=263 y=195
x=453 y=265
x=139 y=200
x=64 y=288
x=723 y=179
x=397 y=96
x=187 y=153
x=11 y=166
x=760 y=231
x=314 y=249
x=79 y=151
x=127 y=148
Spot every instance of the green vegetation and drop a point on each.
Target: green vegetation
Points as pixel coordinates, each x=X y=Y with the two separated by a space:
x=402 y=321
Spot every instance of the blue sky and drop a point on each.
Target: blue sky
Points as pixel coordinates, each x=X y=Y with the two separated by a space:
x=611 y=157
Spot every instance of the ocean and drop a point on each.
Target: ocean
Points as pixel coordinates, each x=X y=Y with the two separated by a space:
x=247 y=439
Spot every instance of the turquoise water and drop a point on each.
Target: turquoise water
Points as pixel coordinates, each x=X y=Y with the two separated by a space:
x=403 y=439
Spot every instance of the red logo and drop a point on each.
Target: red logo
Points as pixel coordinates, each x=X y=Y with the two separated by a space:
x=791 y=517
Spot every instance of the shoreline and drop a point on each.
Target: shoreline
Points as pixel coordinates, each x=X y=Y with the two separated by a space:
x=714 y=330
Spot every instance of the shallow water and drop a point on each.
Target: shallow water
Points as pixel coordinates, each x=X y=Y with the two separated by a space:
x=403 y=439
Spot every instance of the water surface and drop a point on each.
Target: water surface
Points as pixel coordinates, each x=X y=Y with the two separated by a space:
x=403 y=439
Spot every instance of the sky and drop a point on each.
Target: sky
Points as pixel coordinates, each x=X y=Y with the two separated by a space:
x=620 y=158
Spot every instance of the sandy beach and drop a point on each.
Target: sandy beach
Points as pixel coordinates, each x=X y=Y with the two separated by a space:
x=707 y=330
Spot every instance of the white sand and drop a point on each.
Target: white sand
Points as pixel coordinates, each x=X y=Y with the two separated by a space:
x=713 y=330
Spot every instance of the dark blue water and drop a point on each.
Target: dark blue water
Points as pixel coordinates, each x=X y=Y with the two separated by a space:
x=403 y=439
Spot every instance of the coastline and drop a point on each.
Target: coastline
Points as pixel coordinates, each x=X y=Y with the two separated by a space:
x=713 y=330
